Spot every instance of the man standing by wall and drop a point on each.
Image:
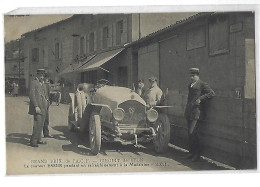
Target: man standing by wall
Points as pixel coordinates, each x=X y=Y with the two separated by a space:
x=38 y=107
x=199 y=92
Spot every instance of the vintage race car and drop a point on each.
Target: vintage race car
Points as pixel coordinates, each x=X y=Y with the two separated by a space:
x=112 y=113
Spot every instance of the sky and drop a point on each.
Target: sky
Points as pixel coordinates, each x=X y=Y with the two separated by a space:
x=15 y=26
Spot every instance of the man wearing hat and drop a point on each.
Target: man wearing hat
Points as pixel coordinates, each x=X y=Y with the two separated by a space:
x=153 y=95
x=39 y=102
x=140 y=89
x=46 y=132
x=199 y=92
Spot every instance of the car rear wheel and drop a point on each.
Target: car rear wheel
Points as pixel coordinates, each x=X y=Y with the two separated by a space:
x=71 y=126
x=162 y=138
x=95 y=133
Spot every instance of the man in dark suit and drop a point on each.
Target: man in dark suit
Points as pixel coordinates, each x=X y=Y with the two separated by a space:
x=199 y=92
x=46 y=132
x=39 y=102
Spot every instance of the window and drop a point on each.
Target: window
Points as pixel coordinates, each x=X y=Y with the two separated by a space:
x=57 y=51
x=82 y=45
x=119 y=32
x=218 y=34
x=35 y=55
x=196 y=38
x=105 y=37
x=91 y=42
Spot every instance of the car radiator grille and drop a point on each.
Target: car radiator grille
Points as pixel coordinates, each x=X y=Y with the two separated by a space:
x=134 y=112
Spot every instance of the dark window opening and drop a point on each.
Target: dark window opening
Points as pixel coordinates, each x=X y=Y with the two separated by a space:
x=105 y=37
x=218 y=35
x=57 y=51
x=119 y=32
x=35 y=55
x=91 y=42
x=81 y=45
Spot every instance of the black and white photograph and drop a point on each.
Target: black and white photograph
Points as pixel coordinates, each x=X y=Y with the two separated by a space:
x=130 y=92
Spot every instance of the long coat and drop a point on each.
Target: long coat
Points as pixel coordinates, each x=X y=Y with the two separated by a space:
x=38 y=97
x=200 y=90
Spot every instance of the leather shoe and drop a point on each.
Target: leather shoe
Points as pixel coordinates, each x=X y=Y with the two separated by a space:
x=41 y=142
x=34 y=145
x=195 y=158
x=48 y=136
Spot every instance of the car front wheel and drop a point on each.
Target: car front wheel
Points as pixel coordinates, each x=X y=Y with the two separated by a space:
x=95 y=133
x=162 y=130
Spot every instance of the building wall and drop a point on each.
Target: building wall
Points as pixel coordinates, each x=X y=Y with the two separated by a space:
x=148 y=62
x=45 y=41
x=73 y=36
x=222 y=134
x=222 y=60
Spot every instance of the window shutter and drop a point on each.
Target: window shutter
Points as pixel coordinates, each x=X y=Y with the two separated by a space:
x=95 y=40
x=45 y=56
x=101 y=38
x=124 y=35
x=53 y=50
x=109 y=42
x=60 y=50
x=78 y=51
x=87 y=44
x=114 y=35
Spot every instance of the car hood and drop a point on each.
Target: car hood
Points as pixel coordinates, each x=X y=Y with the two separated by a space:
x=114 y=95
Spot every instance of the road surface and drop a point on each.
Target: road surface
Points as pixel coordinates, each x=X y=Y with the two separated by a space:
x=68 y=152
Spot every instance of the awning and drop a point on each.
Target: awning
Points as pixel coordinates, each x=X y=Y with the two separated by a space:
x=73 y=67
x=99 y=60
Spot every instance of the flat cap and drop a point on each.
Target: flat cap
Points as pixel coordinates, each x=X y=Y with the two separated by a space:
x=152 y=79
x=194 y=71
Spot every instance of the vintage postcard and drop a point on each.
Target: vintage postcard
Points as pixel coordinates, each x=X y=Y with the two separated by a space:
x=130 y=92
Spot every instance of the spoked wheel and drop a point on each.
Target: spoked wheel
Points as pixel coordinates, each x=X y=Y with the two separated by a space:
x=95 y=133
x=71 y=126
x=162 y=138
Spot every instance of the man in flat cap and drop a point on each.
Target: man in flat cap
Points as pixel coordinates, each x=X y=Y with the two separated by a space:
x=199 y=92
x=39 y=102
x=153 y=95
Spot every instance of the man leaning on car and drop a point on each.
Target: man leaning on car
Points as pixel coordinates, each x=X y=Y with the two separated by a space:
x=153 y=94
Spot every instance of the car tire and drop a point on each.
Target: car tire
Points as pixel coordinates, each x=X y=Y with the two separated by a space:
x=162 y=137
x=95 y=133
x=71 y=126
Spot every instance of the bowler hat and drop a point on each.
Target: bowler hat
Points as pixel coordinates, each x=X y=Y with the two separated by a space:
x=194 y=71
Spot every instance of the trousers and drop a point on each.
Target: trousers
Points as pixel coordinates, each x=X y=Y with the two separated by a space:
x=46 y=125
x=193 y=137
x=37 y=128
